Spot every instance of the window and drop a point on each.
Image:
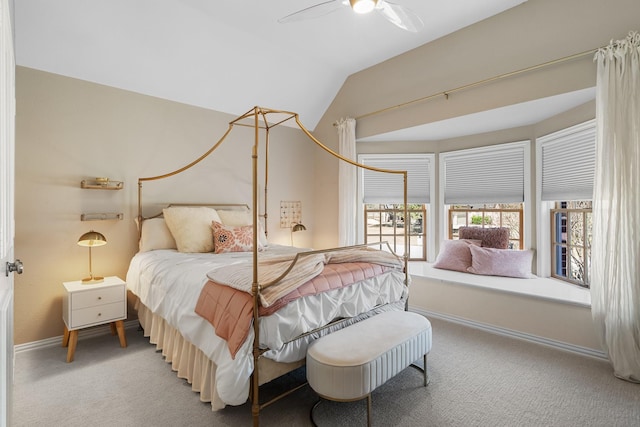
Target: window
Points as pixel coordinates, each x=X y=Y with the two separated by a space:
x=571 y=225
x=485 y=187
x=487 y=216
x=383 y=201
x=566 y=167
x=386 y=223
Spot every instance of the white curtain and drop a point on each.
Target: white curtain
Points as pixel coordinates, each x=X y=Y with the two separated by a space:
x=615 y=259
x=347 y=184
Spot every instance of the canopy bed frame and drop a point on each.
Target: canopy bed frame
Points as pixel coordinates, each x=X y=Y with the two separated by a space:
x=262 y=120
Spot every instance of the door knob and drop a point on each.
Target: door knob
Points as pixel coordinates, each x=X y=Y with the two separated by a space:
x=14 y=266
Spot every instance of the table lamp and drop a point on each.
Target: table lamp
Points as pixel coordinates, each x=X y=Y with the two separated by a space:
x=91 y=239
x=296 y=227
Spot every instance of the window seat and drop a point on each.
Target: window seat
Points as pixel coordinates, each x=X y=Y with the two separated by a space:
x=538 y=287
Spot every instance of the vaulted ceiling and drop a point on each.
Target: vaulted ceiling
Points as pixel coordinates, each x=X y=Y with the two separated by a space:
x=225 y=55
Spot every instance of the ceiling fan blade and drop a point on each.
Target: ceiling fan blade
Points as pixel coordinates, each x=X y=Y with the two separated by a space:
x=314 y=11
x=400 y=16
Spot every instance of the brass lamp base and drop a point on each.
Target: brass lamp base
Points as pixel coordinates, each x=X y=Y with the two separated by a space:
x=91 y=280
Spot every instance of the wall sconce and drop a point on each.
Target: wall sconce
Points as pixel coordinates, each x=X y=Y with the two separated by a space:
x=91 y=239
x=295 y=228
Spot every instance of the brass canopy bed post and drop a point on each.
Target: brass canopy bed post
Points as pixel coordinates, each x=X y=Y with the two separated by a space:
x=255 y=381
x=266 y=182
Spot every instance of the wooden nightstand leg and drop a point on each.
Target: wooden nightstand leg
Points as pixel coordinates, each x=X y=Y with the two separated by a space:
x=113 y=328
x=73 y=341
x=120 y=327
x=65 y=337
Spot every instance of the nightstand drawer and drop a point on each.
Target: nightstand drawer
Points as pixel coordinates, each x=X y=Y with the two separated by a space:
x=97 y=315
x=94 y=297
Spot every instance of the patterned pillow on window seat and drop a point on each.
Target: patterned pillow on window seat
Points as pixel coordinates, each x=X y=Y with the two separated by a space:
x=497 y=238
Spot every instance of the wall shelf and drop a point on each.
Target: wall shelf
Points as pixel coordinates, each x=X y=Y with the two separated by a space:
x=101 y=185
x=101 y=216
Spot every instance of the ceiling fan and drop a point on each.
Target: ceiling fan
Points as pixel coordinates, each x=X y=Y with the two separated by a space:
x=394 y=13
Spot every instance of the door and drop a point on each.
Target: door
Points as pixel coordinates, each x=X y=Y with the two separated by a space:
x=7 y=145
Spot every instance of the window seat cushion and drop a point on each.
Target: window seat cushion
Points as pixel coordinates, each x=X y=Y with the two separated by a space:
x=537 y=287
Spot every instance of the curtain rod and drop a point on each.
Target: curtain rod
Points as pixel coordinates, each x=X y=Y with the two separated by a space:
x=446 y=93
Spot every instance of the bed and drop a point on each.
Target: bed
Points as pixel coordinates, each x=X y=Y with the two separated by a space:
x=231 y=315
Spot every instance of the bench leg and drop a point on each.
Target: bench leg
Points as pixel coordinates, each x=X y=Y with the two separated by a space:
x=369 y=410
x=426 y=375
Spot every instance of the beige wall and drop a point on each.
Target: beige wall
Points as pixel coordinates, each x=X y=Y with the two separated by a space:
x=68 y=130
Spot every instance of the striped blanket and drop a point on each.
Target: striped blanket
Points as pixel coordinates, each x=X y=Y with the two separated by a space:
x=305 y=267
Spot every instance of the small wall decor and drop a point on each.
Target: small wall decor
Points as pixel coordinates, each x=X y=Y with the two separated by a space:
x=290 y=213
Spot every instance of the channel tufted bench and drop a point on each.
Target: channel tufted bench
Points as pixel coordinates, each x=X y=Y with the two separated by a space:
x=351 y=363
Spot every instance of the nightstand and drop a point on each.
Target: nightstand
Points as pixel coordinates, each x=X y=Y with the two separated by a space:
x=86 y=305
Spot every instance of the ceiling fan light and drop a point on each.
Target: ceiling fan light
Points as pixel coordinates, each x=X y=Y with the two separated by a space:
x=363 y=6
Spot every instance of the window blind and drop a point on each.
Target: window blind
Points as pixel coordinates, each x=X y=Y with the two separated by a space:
x=387 y=188
x=484 y=175
x=568 y=163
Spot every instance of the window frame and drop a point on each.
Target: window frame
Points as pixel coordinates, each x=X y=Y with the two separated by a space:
x=569 y=245
x=544 y=230
x=528 y=226
x=484 y=209
x=395 y=210
x=430 y=226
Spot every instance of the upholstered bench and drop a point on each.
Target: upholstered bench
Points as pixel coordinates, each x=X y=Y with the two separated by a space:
x=351 y=363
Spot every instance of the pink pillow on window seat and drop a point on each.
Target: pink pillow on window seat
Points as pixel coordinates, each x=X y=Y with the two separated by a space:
x=501 y=262
x=455 y=255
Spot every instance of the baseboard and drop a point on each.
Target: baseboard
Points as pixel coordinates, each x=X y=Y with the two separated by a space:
x=82 y=334
x=584 y=351
x=133 y=324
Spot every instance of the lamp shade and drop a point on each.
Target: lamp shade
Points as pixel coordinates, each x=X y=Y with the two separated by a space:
x=92 y=238
x=89 y=240
x=298 y=227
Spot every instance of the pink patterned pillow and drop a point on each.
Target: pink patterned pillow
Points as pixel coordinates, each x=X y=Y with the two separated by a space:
x=229 y=238
x=455 y=255
x=501 y=262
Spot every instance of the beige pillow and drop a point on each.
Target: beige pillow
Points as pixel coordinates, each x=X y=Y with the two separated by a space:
x=191 y=227
x=242 y=217
x=156 y=235
x=235 y=217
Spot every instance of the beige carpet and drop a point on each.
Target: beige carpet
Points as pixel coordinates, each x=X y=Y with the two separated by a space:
x=477 y=379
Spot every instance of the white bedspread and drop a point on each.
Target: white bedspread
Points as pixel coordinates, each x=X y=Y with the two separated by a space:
x=169 y=284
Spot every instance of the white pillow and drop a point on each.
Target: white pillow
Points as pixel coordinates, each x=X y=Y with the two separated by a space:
x=242 y=217
x=156 y=235
x=191 y=227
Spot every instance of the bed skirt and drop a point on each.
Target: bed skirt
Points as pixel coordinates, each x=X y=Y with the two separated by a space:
x=191 y=364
